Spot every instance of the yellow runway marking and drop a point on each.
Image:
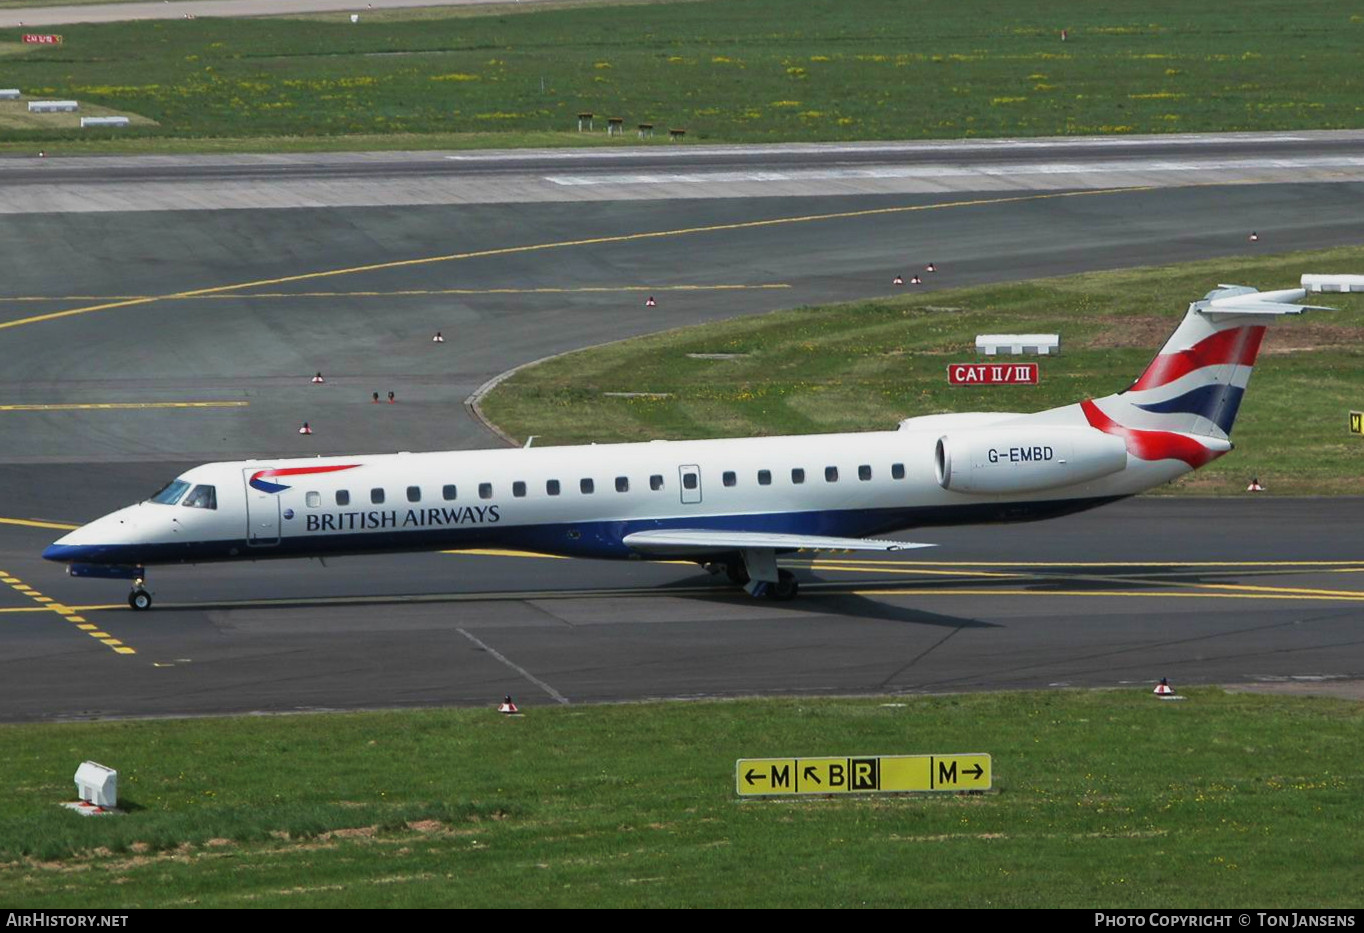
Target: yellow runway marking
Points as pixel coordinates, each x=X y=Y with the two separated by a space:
x=561 y=244
x=1159 y=594
x=34 y=523
x=133 y=406
x=1063 y=565
x=48 y=604
x=417 y=292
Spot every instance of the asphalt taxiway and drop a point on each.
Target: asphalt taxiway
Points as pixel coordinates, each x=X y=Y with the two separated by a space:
x=201 y=327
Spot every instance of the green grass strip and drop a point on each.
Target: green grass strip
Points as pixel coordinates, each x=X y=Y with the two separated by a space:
x=725 y=70
x=867 y=365
x=1112 y=798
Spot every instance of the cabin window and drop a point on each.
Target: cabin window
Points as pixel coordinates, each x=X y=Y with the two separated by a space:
x=203 y=497
x=656 y=482
x=414 y=494
x=689 y=480
x=586 y=486
x=343 y=497
x=314 y=499
x=797 y=476
x=622 y=484
x=764 y=477
x=485 y=490
x=171 y=492
x=831 y=474
x=376 y=496
x=519 y=489
x=728 y=478
x=897 y=471
x=864 y=472
x=448 y=492
x=551 y=487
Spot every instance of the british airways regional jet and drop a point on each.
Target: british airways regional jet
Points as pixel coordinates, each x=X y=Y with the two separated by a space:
x=735 y=505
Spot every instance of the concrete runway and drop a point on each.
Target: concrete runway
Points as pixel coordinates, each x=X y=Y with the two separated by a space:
x=166 y=308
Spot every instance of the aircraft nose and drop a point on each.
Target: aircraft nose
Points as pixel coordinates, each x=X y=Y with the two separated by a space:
x=58 y=552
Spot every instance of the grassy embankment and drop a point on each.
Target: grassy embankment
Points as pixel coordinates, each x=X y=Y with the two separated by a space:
x=754 y=71
x=867 y=365
x=1112 y=798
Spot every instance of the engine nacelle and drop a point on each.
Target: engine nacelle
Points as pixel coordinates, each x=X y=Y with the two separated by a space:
x=1020 y=459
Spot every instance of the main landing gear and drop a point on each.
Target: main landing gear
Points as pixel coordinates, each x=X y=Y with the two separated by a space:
x=140 y=599
x=757 y=572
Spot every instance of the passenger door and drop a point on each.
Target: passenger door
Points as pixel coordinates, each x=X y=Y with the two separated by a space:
x=262 y=514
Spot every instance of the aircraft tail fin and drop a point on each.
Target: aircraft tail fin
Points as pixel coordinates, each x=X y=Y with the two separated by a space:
x=1195 y=383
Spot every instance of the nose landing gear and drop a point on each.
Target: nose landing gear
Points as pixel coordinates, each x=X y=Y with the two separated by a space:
x=139 y=598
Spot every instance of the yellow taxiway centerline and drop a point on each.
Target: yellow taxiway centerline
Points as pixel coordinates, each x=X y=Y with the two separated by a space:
x=562 y=244
x=129 y=406
x=417 y=292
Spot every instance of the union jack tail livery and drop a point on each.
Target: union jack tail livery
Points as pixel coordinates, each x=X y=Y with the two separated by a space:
x=1184 y=405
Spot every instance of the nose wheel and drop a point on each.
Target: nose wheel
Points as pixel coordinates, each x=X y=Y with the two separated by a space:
x=139 y=598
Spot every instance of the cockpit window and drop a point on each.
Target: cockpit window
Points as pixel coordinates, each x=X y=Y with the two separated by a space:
x=171 y=493
x=203 y=497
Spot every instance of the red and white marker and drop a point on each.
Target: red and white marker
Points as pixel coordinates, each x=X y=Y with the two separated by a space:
x=931 y=268
x=898 y=280
x=318 y=380
x=915 y=280
x=1253 y=236
x=1255 y=485
x=438 y=338
x=507 y=706
x=1163 y=689
x=650 y=303
x=391 y=399
x=305 y=429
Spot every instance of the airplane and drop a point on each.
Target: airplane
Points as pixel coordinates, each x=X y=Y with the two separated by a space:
x=734 y=505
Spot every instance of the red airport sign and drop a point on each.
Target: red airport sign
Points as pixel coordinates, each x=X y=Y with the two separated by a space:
x=33 y=38
x=992 y=374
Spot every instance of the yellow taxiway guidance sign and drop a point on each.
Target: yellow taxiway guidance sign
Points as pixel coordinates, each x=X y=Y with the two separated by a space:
x=869 y=774
x=1357 y=422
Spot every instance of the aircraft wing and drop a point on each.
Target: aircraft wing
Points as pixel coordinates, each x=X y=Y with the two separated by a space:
x=705 y=541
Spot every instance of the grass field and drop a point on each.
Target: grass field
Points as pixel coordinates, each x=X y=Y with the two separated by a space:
x=728 y=70
x=868 y=365
x=1109 y=798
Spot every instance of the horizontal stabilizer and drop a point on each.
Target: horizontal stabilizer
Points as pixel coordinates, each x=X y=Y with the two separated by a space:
x=705 y=541
x=1247 y=302
x=1333 y=283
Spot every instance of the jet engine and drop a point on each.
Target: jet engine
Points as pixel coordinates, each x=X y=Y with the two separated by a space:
x=1023 y=459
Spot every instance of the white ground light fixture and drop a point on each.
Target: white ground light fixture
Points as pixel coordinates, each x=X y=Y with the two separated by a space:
x=97 y=784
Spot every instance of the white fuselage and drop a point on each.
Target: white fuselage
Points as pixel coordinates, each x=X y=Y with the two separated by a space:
x=583 y=500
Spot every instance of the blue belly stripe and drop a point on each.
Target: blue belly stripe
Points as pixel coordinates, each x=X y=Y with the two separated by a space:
x=601 y=539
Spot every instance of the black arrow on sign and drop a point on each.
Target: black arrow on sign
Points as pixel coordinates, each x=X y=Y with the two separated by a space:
x=975 y=772
x=811 y=774
x=751 y=775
